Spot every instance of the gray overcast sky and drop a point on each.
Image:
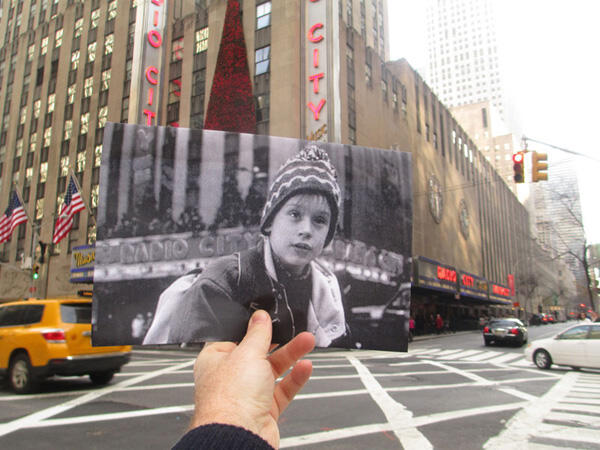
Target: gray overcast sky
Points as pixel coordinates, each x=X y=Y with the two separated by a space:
x=551 y=66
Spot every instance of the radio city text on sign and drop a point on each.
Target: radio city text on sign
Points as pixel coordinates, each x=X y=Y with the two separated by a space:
x=446 y=274
x=315 y=37
x=155 y=40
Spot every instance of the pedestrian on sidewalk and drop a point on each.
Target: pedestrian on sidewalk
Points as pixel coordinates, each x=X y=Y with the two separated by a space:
x=411 y=328
x=439 y=324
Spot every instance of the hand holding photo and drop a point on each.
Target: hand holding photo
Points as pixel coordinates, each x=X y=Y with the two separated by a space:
x=288 y=236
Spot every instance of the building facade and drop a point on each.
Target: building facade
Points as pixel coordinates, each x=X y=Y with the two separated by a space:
x=463 y=60
x=67 y=67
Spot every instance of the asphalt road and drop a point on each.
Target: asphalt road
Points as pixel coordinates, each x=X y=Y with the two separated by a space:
x=448 y=392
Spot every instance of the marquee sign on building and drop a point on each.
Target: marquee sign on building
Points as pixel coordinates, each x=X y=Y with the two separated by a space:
x=322 y=100
x=148 y=56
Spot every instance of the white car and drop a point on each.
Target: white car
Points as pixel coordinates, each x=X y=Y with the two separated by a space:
x=577 y=346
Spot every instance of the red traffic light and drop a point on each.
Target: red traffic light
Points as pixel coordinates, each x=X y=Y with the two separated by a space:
x=518 y=160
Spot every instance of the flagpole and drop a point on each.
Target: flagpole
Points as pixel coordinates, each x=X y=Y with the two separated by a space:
x=74 y=178
x=35 y=236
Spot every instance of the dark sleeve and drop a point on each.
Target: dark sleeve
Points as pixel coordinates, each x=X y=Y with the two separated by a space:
x=210 y=308
x=221 y=437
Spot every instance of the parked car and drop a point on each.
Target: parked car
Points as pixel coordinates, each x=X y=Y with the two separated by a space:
x=42 y=338
x=538 y=319
x=505 y=331
x=577 y=346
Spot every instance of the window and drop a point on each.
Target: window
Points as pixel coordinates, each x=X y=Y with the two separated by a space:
x=32 y=142
x=75 y=60
x=47 y=137
x=68 y=130
x=43 y=172
x=91 y=56
x=97 y=155
x=44 y=46
x=94 y=196
x=39 y=209
x=177 y=50
x=19 y=148
x=80 y=162
x=102 y=116
x=575 y=333
x=64 y=166
x=201 y=44
x=105 y=80
x=262 y=60
x=94 y=18
x=51 y=102
x=58 y=38
x=78 y=27
x=30 y=51
x=368 y=75
x=88 y=87
x=263 y=15
x=71 y=90
x=112 y=10
x=108 y=44
x=23 y=115
x=84 y=124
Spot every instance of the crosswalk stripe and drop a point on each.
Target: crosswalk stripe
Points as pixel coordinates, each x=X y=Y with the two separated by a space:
x=578 y=408
x=425 y=351
x=505 y=358
x=575 y=419
x=481 y=357
x=576 y=434
x=587 y=401
x=462 y=354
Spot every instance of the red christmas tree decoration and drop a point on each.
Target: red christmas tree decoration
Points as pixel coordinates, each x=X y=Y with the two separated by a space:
x=231 y=104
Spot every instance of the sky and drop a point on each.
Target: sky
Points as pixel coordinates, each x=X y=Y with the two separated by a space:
x=549 y=56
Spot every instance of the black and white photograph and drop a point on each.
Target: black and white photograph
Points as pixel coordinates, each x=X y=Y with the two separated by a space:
x=196 y=229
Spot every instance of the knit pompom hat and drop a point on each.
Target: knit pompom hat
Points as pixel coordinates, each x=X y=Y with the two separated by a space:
x=309 y=171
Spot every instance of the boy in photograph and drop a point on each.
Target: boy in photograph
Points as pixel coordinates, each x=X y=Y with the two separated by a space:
x=281 y=275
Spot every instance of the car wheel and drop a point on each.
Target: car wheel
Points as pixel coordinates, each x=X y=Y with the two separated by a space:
x=101 y=378
x=20 y=377
x=542 y=359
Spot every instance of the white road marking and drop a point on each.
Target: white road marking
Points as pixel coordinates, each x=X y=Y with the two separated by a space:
x=481 y=356
x=585 y=401
x=361 y=430
x=331 y=394
x=35 y=418
x=575 y=419
x=517 y=393
x=462 y=373
x=111 y=416
x=448 y=352
x=505 y=358
x=396 y=414
x=151 y=387
x=464 y=354
x=578 y=408
x=332 y=366
x=424 y=351
x=577 y=434
x=528 y=420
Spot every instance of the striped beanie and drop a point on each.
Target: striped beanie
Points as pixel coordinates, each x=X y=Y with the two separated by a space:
x=309 y=171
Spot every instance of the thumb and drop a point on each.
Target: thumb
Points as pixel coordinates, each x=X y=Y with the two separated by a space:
x=258 y=337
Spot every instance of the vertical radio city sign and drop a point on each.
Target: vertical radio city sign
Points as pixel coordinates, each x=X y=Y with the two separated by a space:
x=148 y=58
x=321 y=70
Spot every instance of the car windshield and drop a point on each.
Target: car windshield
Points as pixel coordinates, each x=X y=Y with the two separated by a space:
x=76 y=312
x=505 y=323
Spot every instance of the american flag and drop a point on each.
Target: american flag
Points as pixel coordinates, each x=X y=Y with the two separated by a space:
x=13 y=216
x=73 y=204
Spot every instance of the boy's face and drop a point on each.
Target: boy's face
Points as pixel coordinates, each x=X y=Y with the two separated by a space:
x=299 y=230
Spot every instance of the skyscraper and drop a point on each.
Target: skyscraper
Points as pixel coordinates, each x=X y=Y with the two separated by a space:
x=463 y=66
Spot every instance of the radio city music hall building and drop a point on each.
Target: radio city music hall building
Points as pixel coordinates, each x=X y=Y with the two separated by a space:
x=319 y=71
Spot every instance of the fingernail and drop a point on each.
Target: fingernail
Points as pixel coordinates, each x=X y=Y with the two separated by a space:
x=260 y=317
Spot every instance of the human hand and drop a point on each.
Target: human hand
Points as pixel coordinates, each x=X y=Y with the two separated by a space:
x=235 y=384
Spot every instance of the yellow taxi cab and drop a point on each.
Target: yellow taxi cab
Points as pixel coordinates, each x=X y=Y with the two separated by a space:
x=42 y=338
